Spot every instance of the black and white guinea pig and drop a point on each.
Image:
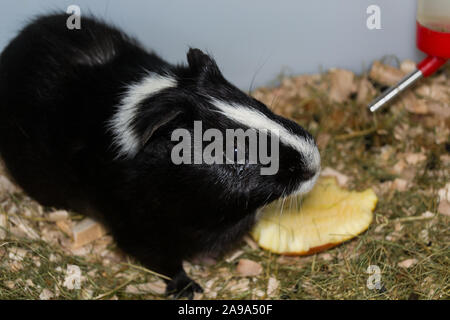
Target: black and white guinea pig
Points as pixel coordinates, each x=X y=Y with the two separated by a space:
x=86 y=118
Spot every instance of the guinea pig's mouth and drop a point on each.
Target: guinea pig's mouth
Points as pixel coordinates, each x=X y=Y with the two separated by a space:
x=303 y=188
x=306 y=186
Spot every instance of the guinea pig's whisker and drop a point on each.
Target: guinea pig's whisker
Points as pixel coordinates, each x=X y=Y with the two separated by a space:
x=273 y=105
x=281 y=212
x=254 y=76
x=297 y=202
x=290 y=203
x=266 y=203
x=300 y=205
x=279 y=202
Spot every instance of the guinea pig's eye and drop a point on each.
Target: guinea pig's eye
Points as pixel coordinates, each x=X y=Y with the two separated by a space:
x=239 y=155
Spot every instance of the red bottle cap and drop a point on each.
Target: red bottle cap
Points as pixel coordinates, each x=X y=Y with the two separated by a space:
x=433 y=42
x=436 y=44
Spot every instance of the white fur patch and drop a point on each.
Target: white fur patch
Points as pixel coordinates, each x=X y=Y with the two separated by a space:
x=307 y=185
x=124 y=136
x=257 y=120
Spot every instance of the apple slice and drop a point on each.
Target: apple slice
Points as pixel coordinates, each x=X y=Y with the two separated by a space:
x=324 y=218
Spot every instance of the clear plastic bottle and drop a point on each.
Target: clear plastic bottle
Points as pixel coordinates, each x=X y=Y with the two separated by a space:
x=434 y=14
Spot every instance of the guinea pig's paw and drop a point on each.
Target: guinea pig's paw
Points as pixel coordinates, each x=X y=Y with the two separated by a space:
x=181 y=286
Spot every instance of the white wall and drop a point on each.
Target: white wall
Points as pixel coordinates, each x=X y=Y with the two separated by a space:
x=249 y=37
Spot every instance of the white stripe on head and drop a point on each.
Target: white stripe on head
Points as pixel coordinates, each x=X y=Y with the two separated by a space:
x=121 y=123
x=306 y=186
x=254 y=119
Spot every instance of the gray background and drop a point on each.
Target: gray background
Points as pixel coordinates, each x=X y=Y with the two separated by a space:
x=249 y=38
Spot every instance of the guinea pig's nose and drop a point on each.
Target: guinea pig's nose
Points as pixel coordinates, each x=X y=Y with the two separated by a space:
x=300 y=172
x=307 y=175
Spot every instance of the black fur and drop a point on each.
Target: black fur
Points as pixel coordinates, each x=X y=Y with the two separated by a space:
x=58 y=92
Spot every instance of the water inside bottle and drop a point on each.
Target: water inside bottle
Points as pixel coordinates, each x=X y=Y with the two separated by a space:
x=434 y=14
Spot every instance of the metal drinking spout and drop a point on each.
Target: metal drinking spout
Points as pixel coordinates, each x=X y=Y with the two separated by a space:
x=427 y=67
x=394 y=91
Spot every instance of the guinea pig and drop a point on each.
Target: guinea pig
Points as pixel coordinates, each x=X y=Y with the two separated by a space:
x=86 y=124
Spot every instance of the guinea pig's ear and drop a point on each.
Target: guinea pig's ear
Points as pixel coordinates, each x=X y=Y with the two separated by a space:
x=200 y=62
x=156 y=122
